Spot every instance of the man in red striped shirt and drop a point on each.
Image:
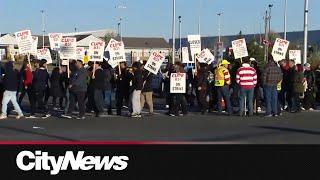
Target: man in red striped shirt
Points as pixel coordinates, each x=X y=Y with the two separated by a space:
x=247 y=80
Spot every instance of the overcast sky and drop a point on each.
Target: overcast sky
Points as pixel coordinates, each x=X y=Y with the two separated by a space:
x=152 y=18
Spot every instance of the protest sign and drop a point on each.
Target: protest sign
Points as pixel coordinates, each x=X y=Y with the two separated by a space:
x=280 y=49
x=116 y=51
x=24 y=41
x=96 y=51
x=206 y=56
x=65 y=62
x=55 y=40
x=185 y=55
x=240 y=48
x=154 y=62
x=195 y=45
x=295 y=55
x=80 y=53
x=68 y=48
x=178 y=83
x=35 y=40
x=44 y=54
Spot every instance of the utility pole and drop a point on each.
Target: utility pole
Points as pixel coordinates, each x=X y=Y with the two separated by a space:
x=173 y=31
x=266 y=37
x=219 y=18
x=199 y=20
x=285 y=19
x=180 y=45
x=270 y=7
x=120 y=20
x=305 y=47
x=43 y=27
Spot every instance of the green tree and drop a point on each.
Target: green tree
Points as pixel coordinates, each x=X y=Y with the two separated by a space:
x=108 y=36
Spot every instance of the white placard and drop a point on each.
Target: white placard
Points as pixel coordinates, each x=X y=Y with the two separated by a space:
x=116 y=51
x=80 y=53
x=154 y=62
x=195 y=45
x=185 y=55
x=96 y=51
x=240 y=48
x=280 y=49
x=55 y=40
x=35 y=40
x=44 y=54
x=68 y=48
x=295 y=55
x=65 y=62
x=178 y=83
x=206 y=56
x=24 y=41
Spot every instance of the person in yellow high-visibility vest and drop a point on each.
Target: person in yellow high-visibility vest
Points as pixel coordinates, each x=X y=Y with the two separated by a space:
x=222 y=83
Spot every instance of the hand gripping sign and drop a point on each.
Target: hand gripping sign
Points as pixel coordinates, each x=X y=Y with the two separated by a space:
x=154 y=63
x=295 y=55
x=239 y=48
x=96 y=51
x=24 y=40
x=178 y=83
x=68 y=48
x=280 y=49
x=55 y=40
x=44 y=54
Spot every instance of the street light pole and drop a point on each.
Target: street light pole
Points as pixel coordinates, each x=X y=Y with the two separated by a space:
x=120 y=22
x=306 y=12
x=180 y=45
x=120 y=26
x=285 y=19
x=219 y=17
x=270 y=7
x=199 y=20
x=43 y=27
x=173 y=31
x=266 y=37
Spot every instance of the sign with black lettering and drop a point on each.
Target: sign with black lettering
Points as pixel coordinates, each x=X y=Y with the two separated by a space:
x=68 y=48
x=116 y=51
x=280 y=49
x=154 y=63
x=178 y=83
x=96 y=51
x=24 y=41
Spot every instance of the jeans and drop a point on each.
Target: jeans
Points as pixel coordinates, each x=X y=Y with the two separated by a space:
x=67 y=97
x=37 y=99
x=246 y=95
x=147 y=96
x=223 y=92
x=179 y=102
x=80 y=98
x=108 y=99
x=271 y=97
x=136 y=104
x=10 y=96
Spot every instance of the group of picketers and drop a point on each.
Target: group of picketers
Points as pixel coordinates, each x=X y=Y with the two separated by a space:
x=229 y=88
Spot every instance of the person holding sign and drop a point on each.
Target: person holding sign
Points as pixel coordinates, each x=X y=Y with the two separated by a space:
x=202 y=87
x=222 y=83
x=99 y=85
x=247 y=79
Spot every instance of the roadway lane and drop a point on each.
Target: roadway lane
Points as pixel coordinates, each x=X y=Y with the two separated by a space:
x=289 y=128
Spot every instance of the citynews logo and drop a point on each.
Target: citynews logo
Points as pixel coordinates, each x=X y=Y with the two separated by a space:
x=41 y=161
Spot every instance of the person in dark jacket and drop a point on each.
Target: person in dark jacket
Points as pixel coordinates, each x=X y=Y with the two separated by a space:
x=202 y=87
x=123 y=84
x=57 y=87
x=39 y=85
x=298 y=89
x=108 y=89
x=147 y=91
x=137 y=85
x=78 y=89
x=11 y=84
x=99 y=81
x=287 y=84
x=309 y=100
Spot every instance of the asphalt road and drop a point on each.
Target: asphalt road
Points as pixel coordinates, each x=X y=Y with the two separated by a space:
x=300 y=128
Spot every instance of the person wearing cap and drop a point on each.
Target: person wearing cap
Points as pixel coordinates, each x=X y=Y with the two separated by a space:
x=222 y=82
x=39 y=85
x=11 y=84
x=247 y=79
x=257 y=92
x=309 y=100
x=270 y=80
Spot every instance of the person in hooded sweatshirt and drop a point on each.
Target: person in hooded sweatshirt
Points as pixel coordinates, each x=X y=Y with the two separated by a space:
x=39 y=85
x=11 y=84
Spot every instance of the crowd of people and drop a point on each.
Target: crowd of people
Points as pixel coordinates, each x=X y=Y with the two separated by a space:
x=238 y=88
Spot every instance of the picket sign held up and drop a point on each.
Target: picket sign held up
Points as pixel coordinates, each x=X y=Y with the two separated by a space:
x=116 y=53
x=280 y=49
x=24 y=41
x=68 y=48
x=55 y=41
x=154 y=63
x=295 y=55
x=96 y=52
x=44 y=54
x=178 y=83
x=206 y=56
x=195 y=45
x=240 y=49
